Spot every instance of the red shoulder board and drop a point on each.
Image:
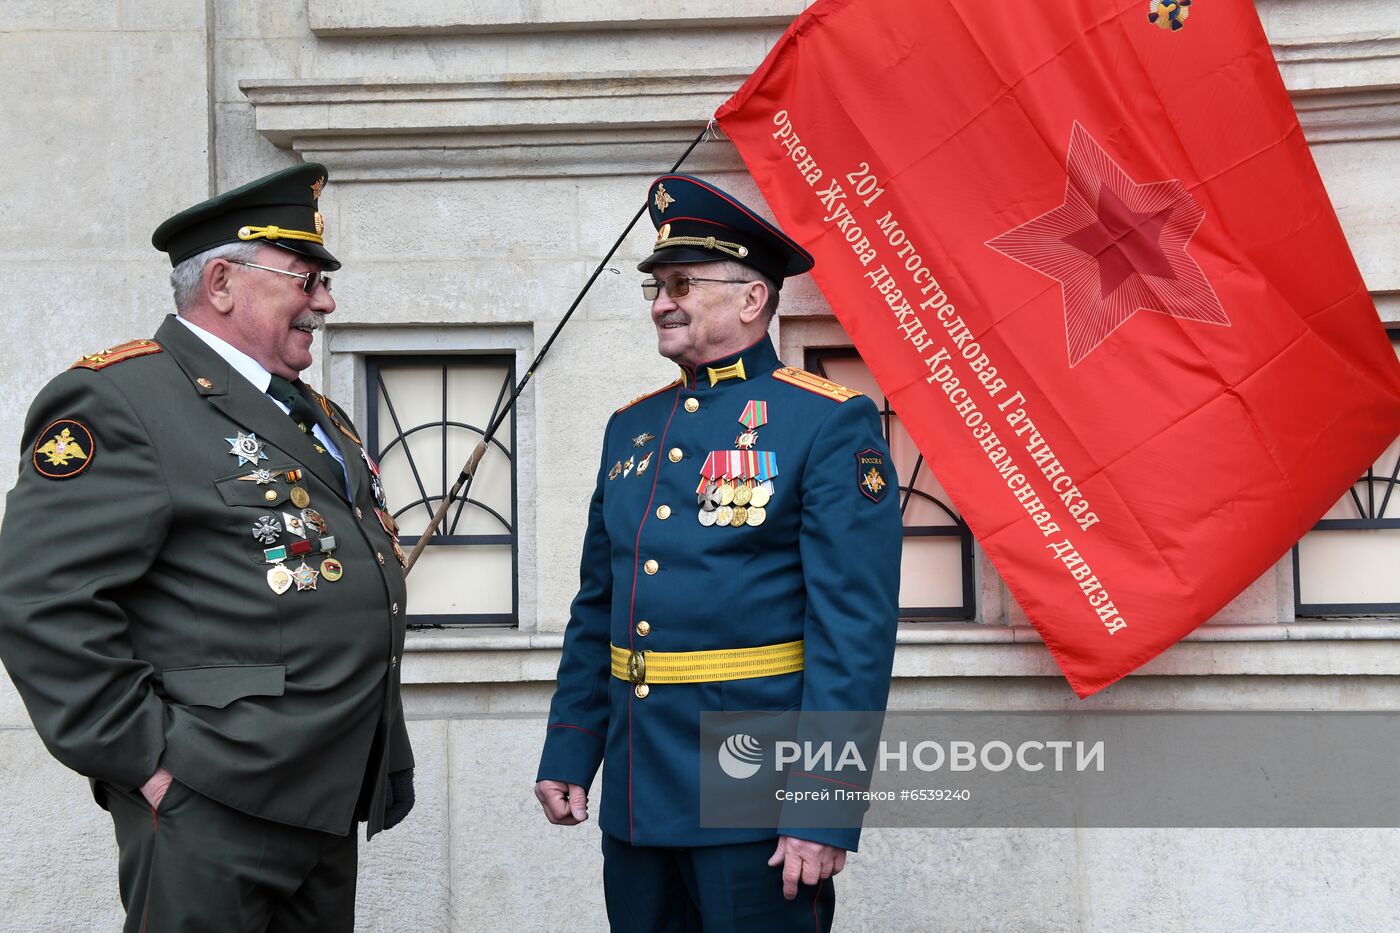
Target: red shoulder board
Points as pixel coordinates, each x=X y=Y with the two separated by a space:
x=643 y=398
x=814 y=383
x=122 y=351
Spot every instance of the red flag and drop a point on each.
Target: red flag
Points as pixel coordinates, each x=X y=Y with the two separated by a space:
x=1087 y=256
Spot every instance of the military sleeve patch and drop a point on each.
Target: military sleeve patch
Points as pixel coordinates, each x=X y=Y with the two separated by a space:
x=122 y=351
x=64 y=450
x=870 y=474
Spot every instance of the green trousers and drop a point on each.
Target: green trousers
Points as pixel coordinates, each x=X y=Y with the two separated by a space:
x=195 y=865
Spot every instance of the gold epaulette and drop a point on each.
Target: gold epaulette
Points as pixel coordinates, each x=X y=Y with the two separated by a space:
x=643 y=398
x=814 y=383
x=122 y=351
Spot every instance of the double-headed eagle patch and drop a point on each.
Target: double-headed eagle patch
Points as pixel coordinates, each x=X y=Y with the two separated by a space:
x=64 y=449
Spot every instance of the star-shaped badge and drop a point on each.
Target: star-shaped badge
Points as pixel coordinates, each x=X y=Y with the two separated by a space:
x=246 y=447
x=1117 y=247
x=260 y=476
x=305 y=577
x=641 y=440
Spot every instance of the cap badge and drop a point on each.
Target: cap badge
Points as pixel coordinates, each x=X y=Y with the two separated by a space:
x=662 y=199
x=316 y=187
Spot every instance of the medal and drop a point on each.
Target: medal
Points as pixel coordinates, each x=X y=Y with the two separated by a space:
x=746 y=440
x=266 y=529
x=723 y=516
x=627 y=467
x=707 y=517
x=641 y=440
x=261 y=477
x=646 y=462
x=726 y=493
x=740 y=517
x=300 y=497
x=616 y=469
x=756 y=516
x=331 y=570
x=279 y=579
x=294 y=525
x=761 y=494
x=743 y=494
x=246 y=447
x=305 y=577
x=314 y=520
x=708 y=499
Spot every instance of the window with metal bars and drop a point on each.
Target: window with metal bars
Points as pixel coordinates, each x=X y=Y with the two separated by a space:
x=936 y=579
x=1346 y=565
x=426 y=416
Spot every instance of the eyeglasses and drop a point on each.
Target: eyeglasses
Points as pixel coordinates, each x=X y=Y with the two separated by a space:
x=678 y=286
x=309 y=280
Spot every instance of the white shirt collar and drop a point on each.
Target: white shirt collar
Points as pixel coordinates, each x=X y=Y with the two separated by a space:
x=246 y=366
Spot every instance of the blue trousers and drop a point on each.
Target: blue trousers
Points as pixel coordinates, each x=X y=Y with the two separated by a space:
x=709 y=889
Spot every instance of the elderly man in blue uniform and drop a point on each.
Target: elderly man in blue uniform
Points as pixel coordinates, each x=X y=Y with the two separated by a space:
x=746 y=509
x=214 y=637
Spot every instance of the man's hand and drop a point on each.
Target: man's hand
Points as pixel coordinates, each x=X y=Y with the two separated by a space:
x=398 y=797
x=155 y=787
x=806 y=861
x=564 y=804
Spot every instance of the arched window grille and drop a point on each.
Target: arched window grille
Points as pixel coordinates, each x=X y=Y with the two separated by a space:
x=1347 y=564
x=426 y=416
x=936 y=580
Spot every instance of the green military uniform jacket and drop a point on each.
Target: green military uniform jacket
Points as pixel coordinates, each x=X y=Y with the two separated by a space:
x=137 y=617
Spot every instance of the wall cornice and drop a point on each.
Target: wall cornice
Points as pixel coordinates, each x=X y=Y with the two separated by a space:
x=524 y=125
x=433 y=17
x=497 y=126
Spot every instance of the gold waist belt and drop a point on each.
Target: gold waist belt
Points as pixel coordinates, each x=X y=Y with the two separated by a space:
x=700 y=667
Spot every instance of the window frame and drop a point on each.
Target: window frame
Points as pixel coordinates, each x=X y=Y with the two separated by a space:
x=1369 y=479
x=814 y=359
x=374 y=389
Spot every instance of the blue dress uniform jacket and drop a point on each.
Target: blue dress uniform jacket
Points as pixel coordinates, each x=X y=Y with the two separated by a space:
x=823 y=566
x=137 y=619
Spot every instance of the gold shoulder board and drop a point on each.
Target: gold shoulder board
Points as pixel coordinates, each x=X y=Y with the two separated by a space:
x=643 y=398
x=814 y=383
x=122 y=351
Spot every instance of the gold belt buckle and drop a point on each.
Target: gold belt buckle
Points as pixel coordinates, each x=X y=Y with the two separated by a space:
x=636 y=667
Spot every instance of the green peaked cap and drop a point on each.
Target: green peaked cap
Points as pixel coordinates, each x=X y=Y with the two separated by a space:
x=279 y=209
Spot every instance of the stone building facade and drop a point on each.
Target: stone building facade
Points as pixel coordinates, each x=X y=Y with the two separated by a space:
x=484 y=156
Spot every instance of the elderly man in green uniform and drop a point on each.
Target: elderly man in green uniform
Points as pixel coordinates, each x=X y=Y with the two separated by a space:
x=742 y=553
x=215 y=639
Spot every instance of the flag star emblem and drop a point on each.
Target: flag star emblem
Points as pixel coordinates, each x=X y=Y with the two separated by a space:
x=1117 y=247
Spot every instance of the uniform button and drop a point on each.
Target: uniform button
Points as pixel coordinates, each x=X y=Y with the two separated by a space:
x=675 y=455
x=359 y=513
x=651 y=567
x=663 y=512
x=641 y=690
x=692 y=404
x=644 y=628
x=379 y=557
x=270 y=495
x=394 y=608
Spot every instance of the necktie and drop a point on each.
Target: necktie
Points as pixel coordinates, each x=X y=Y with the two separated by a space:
x=301 y=412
